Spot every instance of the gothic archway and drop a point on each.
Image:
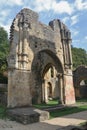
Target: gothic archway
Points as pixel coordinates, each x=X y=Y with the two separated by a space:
x=50 y=85
x=45 y=71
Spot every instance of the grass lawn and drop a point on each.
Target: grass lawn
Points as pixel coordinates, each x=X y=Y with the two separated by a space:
x=83 y=100
x=64 y=111
x=67 y=110
x=49 y=104
x=2 y=111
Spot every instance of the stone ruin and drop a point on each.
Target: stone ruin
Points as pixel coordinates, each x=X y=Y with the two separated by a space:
x=40 y=61
x=79 y=77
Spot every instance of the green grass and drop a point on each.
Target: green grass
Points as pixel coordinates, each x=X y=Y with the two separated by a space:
x=67 y=110
x=84 y=100
x=2 y=112
x=70 y=110
x=52 y=103
x=44 y=105
x=63 y=111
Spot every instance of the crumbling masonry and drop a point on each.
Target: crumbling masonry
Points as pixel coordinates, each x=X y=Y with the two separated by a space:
x=40 y=61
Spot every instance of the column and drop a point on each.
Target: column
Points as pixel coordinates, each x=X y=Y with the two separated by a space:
x=61 y=88
x=70 y=53
x=24 y=45
x=20 y=47
x=46 y=93
x=43 y=90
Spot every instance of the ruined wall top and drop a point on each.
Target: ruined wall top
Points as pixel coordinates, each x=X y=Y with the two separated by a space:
x=27 y=15
x=29 y=19
x=28 y=36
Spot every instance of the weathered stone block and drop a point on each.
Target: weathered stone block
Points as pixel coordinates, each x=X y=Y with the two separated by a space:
x=28 y=115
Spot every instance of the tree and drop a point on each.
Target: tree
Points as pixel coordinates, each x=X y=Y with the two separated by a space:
x=79 y=57
x=4 y=48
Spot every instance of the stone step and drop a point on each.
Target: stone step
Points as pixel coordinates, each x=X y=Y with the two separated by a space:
x=28 y=115
x=58 y=107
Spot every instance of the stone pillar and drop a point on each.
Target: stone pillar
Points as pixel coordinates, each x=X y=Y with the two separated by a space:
x=61 y=88
x=70 y=54
x=20 y=47
x=69 y=88
x=43 y=91
x=19 y=88
x=25 y=46
x=46 y=93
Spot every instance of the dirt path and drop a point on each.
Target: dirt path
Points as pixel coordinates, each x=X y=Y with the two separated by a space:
x=53 y=124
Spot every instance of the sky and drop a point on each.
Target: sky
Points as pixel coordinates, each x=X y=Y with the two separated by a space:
x=73 y=13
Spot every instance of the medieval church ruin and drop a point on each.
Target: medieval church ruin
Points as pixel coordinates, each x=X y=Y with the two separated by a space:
x=40 y=61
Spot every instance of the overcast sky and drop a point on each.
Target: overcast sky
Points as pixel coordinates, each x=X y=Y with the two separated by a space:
x=72 y=12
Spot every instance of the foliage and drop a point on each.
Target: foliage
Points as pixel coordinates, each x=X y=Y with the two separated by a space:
x=3 y=79
x=3 y=113
x=79 y=57
x=4 y=48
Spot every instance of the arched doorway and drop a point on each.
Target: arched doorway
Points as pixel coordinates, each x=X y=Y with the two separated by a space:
x=50 y=86
x=48 y=77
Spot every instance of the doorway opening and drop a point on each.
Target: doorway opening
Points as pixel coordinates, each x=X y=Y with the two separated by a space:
x=50 y=85
x=48 y=82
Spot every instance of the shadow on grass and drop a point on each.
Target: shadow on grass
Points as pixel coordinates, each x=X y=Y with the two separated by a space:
x=79 y=100
x=63 y=111
x=51 y=103
x=67 y=110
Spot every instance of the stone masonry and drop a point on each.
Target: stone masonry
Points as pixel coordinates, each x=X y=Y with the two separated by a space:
x=80 y=74
x=34 y=48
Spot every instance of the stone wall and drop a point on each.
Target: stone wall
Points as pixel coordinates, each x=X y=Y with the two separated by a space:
x=33 y=46
x=20 y=90
x=81 y=91
x=80 y=74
